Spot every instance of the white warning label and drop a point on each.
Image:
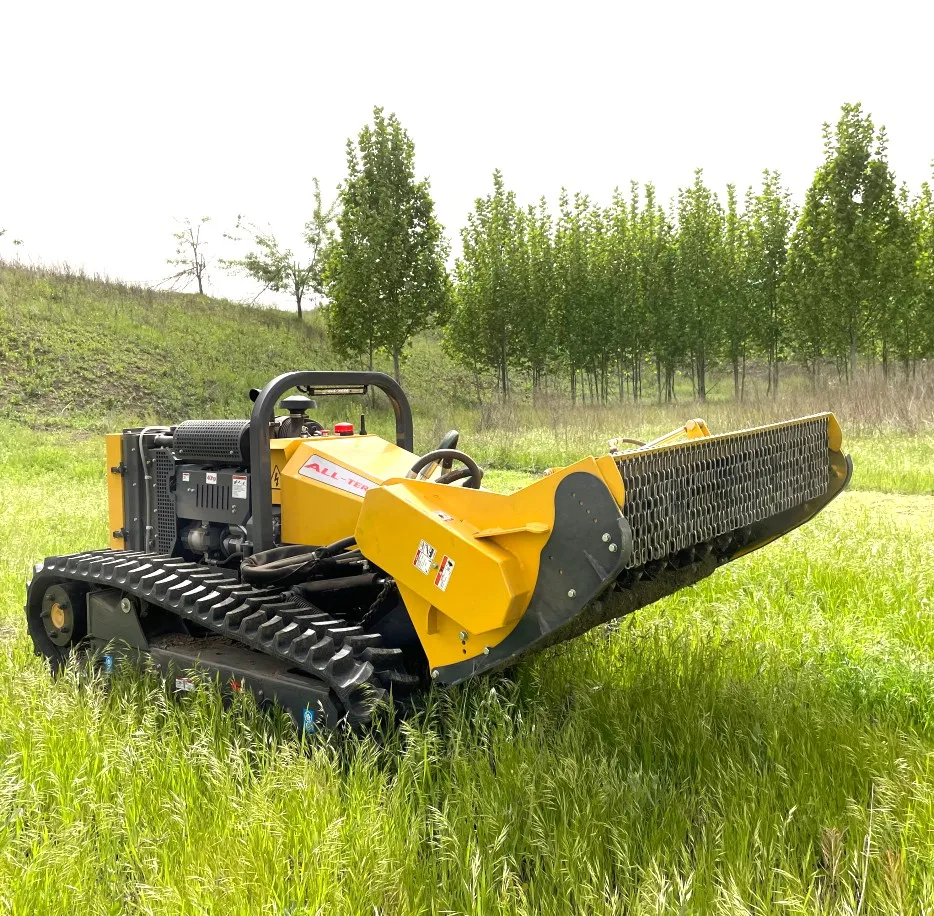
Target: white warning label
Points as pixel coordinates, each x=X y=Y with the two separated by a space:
x=327 y=472
x=186 y=476
x=444 y=572
x=423 y=557
x=210 y=477
x=238 y=489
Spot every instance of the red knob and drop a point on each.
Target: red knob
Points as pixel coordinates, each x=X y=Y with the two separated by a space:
x=343 y=429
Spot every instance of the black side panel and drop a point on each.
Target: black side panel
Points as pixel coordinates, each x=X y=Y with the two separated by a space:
x=221 y=496
x=308 y=701
x=133 y=484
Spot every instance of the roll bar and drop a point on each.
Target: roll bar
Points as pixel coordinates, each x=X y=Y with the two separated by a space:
x=324 y=383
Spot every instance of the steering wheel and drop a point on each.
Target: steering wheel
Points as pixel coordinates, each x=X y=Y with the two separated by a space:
x=471 y=471
x=448 y=442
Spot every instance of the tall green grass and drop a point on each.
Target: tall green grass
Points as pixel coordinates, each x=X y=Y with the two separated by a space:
x=760 y=743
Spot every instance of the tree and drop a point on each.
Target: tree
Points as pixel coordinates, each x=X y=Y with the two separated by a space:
x=770 y=216
x=837 y=261
x=385 y=273
x=916 y=340
x=573 y=286
x=536 y=318
x=278 y=268
x=486 y=328
x=189 y=256
x=699 y=275
x=735 y=304
x=657 y=258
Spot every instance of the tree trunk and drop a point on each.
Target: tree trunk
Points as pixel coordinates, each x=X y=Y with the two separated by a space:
x=395 y=365
x=298 y=303
x=852 y=366
x=736 y=376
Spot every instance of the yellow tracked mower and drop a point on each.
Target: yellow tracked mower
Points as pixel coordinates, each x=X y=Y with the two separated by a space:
x=326 y=570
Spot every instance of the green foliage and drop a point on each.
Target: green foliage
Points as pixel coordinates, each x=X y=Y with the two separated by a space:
x=616 y=290
x=701 y=275
x=385 y=274
x=494 y=316
x=279 y=269
x=849 y=258
x=770 y=216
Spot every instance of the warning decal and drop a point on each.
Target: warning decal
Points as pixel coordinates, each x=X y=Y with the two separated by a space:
x=327 y=472
x=210 y=477
x=185 y=476
x=444 y=572
x=238 y=490
x=423 y=557
x=274 y=479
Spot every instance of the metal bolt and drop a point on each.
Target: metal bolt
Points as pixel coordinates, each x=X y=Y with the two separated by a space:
x=612 y=548
x=126 y=605
x=462 y=636
x=606 y=537
x=572 y=593
x=435 y=674
x=486 y=650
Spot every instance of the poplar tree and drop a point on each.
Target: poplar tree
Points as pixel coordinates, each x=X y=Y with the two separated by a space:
x=700 y=275
x=385 y=274
x=573 y=287
x=770 y=216
x=916 y=337
x=850 y=217
x=488 y=329
x=737 y=327
x=538 y=343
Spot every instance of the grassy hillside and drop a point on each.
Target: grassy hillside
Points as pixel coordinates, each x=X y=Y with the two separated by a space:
x=89 y=353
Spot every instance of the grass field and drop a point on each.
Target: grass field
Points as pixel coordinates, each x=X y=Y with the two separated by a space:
x=760 y=743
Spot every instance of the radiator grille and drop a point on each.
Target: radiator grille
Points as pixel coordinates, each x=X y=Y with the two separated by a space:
x=165 y=502
x=688 y=494
x=226 y=441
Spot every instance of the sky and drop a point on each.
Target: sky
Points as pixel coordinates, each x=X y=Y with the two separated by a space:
x=121 y=119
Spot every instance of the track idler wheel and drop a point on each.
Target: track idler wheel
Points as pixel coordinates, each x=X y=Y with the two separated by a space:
x=59 y=621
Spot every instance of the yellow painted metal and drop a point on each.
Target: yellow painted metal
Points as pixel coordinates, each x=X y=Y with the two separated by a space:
x=57 y=615
x=324 y=480
x=494 y=541
x=280 y=450
x=693 y=429
x=674 y=440
x=114 y=453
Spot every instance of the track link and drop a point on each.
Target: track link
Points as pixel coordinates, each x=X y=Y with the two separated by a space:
x=353 y=663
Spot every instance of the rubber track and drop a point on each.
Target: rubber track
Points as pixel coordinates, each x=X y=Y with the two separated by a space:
x=353 y=663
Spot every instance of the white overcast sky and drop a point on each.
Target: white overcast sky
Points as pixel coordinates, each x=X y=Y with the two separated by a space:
x=120 y=118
